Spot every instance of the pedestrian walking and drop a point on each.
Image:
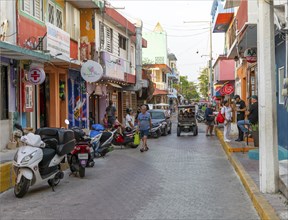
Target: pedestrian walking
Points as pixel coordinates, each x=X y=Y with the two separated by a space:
x=145 y=123
x=240 y=109
x=252 y=114
x=209 y=116
x=226 y=111
x=111 y=112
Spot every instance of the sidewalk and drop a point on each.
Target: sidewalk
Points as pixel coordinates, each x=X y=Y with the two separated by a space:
x=268 y=206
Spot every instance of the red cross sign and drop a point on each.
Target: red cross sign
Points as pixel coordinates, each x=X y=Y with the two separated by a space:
x=36 y=75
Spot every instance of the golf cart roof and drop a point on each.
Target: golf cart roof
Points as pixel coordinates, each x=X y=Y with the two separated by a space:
x=186 y=106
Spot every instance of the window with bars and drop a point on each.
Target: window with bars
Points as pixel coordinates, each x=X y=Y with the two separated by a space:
x=33 y=8
x=55 y=15
x=59 y=20
x=106 y=38
x=51 y=12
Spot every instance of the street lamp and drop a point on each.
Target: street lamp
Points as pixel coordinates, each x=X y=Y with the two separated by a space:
x=210 y=55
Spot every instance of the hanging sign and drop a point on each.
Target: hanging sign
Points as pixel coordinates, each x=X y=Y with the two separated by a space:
x=91 y=71
x=251 y=55
x=36 y=75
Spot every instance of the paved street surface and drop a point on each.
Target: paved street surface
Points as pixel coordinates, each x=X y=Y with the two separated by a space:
x=183 y=177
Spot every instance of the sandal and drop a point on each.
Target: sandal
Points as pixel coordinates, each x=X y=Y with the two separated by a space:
x=142 y=150
x=147 y=148
x=207 y=135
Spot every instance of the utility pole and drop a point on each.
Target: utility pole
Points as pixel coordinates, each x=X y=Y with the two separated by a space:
x=210 y=63
x=268 y=151
x=210 y=56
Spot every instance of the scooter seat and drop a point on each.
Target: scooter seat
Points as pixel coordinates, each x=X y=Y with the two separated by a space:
x=48 y=154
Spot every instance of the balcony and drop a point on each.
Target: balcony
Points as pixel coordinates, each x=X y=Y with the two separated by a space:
x=114 y=67
x=242 y=34
x=161 y=86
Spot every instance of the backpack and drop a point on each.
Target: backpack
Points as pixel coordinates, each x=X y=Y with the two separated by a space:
x=220 y=118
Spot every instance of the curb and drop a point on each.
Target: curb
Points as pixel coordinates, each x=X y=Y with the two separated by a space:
x=262 y=206
x=7 y=175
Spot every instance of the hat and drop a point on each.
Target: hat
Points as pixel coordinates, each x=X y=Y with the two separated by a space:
x=253 y=97
x=236 y=96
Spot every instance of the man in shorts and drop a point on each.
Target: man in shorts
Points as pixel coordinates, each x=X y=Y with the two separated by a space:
x=145 y=124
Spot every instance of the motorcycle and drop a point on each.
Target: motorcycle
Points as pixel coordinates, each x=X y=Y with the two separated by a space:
x=125 y=139
x=81 y=156
x=39 y=160
x=101 y=140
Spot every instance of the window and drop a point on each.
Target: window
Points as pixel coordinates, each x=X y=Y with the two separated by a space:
x=158 y=76
x=55 y=15
x=33 y=8
x=280 y=81
x=122 y=42
x=4 y=93
x=72 y=21
x=106 y=38
x=164 y=77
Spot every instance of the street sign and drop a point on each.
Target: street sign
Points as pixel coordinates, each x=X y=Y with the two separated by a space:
x=91 y=71
x=36 y=75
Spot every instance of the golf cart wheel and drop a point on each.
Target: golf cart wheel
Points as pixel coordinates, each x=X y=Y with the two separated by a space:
x=169 y=132
x=178 y=131
x=195 y=132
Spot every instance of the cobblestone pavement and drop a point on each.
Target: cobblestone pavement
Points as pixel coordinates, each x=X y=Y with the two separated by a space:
x=183 y=177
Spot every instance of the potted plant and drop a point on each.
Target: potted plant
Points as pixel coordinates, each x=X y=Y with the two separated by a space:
x=255 y=134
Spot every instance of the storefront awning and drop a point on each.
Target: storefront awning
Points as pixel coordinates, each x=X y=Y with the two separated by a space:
x=12 y=51
x=160 y=92
x=225 y=89
x=115 y=85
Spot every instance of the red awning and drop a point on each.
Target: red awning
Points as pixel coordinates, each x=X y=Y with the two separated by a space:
x=160 y=92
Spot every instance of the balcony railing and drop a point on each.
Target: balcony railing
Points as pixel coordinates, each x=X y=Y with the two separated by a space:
x=161 y=86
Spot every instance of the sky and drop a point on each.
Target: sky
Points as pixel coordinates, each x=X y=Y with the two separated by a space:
x=188 y=38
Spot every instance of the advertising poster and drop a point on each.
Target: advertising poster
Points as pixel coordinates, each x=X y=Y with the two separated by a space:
x=77 y=106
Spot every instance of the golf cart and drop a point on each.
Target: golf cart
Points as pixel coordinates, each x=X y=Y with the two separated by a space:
x=187 y=119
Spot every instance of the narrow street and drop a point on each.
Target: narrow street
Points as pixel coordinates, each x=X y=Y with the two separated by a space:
x=183 y=177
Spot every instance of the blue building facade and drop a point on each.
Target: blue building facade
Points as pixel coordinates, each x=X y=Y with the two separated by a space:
x=282 y=101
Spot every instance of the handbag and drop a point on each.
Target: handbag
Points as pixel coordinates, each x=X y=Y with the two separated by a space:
x=137 y=138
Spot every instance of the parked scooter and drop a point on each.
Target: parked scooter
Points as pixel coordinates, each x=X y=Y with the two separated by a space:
x=40 y=159
x=126 y=139
x=81 y=156
x=101 y=140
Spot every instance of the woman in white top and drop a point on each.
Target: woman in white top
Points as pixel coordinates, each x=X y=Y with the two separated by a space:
x=129 y=119
x=226 y=111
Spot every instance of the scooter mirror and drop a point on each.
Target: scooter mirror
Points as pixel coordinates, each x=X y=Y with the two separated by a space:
x=67 y=122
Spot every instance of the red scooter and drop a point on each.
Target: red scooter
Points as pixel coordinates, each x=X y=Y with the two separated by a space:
x=81 y=156
x=126 y=139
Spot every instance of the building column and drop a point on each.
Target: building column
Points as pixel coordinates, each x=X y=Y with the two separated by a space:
x=268 y=164
x=54 y=116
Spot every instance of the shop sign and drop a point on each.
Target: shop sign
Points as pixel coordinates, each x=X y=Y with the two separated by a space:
x=58 y=42
x=91 y=71
x=251 y=55
x=36 y=75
